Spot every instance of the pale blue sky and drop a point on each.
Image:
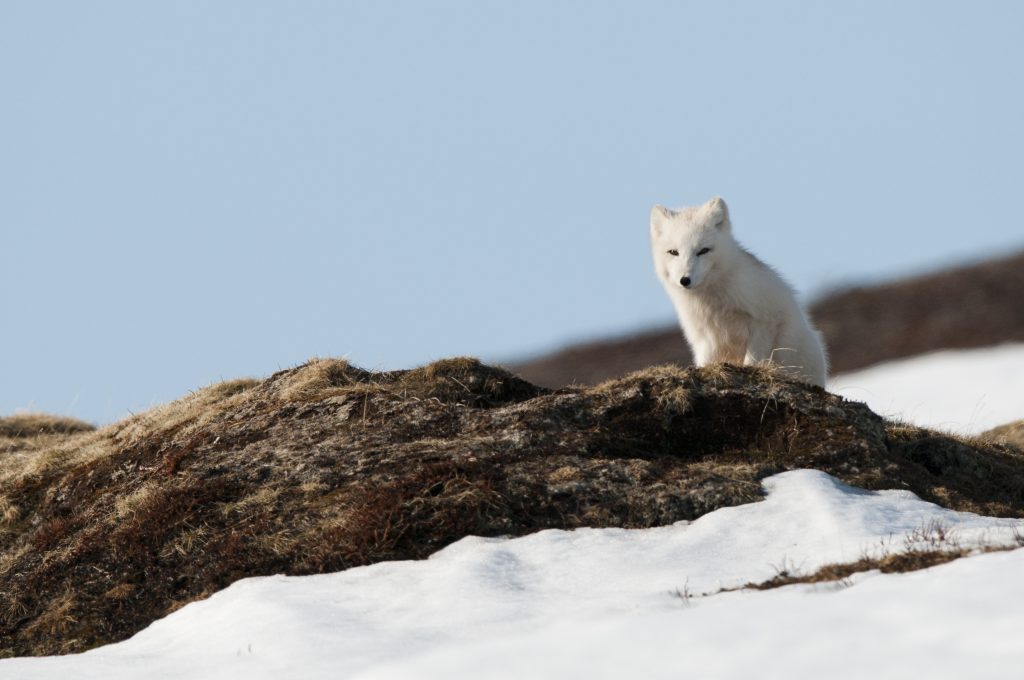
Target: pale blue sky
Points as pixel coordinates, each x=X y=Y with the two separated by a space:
x=203 y=190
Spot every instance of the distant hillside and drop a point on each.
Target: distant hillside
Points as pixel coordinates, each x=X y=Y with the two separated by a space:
x=976 y=305
x=327 y=466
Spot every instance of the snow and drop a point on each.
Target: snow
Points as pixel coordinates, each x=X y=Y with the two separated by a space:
x=961 y=391
x=606 y=603
x=960 y=620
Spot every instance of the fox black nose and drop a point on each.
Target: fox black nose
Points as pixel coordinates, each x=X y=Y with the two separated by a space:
x=685 y=282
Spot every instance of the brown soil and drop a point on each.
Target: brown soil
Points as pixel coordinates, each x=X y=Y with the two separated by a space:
x=978 y=305
x=326 y=466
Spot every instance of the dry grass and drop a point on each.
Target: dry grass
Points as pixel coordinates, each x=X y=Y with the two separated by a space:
x=122 y=591
x=321 y=378
x=35 y=424
x=461 y=380
x=255 y=502
x=1010 y=433
x=58 y=617
x=183 y=416
x=11 y=558
x=888 y=564
x=189 y=541
x=56 y=444
x=127 y=506
x=927 y=546
x=24 y=437
x=9 y=512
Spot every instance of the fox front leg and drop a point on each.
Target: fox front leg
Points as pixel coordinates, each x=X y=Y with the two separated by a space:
x=759 y=345
x=701 y=350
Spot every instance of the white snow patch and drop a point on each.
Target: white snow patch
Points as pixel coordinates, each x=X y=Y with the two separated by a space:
x=959 y=620
x=600 y=603
x=962 y=391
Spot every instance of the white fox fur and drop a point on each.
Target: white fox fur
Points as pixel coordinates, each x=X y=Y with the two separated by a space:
x=732 y=307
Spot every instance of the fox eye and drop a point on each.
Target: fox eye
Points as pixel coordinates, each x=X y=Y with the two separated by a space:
x=673 y=252
x=703 y=251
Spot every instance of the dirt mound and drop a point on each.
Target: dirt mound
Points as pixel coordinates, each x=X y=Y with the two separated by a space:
x=327 y=466
x=972 y=306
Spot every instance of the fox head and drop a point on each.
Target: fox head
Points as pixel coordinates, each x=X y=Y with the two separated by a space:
x=687 y=243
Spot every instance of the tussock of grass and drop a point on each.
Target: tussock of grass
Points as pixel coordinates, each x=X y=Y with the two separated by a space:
x=9 y=512
x=320 y=377
x=126 y=507
x=1010 y=433
x=461 y=380
x=24 y=437
x=35 y=424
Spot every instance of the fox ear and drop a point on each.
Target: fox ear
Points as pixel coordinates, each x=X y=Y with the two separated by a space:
x=659 y=216
x=718 y=211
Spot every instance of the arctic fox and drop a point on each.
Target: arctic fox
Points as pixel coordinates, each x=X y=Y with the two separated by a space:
x=732 y=307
